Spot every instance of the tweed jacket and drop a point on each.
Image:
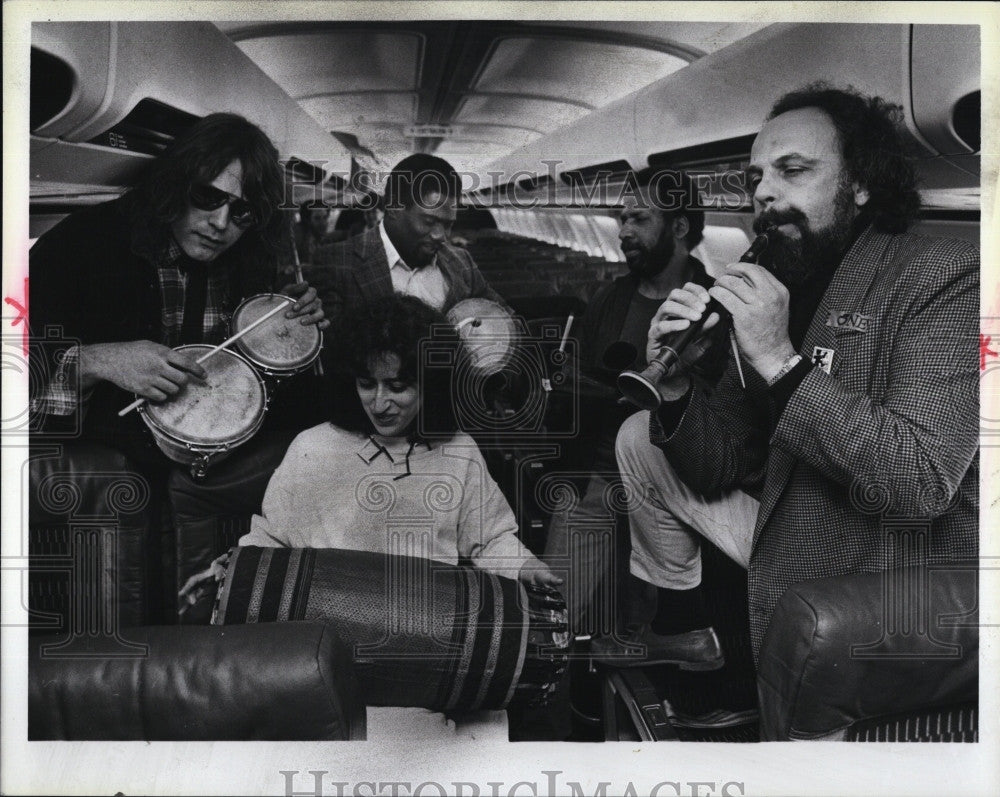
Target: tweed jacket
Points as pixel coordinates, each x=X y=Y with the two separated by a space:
x=873 y=465
x=356 y=271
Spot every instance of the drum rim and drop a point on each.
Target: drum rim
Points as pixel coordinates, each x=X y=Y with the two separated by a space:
x=269 y=368
x=157 y=427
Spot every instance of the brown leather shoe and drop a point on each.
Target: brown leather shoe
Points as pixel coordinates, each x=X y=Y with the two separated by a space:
x=692 y=650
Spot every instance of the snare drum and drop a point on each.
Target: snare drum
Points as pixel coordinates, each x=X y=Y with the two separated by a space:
x=424 y=633
x=280 y=346
x=204 y=422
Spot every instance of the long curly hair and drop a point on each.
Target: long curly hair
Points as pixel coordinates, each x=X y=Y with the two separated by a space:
x=394 y=325
x=874 y=151
x=198 y=156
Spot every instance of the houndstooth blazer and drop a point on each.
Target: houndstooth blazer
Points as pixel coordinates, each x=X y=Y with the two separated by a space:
x=873 y=465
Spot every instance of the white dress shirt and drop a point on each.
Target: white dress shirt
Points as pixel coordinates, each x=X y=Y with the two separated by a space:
x=427 y=283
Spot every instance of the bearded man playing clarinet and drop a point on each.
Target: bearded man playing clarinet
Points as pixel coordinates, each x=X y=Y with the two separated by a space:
x=858 y=380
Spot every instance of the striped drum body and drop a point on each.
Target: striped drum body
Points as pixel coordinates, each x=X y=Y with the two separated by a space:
x=425 y=633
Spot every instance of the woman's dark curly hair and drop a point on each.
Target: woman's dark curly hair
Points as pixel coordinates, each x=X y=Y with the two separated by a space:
x=394 y=325
x=873 y=150
x=199 y=155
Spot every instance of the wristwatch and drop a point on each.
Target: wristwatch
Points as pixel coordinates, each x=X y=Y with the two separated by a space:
x=790 y=363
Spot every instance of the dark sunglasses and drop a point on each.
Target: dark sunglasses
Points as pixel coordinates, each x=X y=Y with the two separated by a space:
x=208 y=197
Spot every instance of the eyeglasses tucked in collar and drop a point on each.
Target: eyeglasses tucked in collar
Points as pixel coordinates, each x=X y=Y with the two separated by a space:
x=208 y=197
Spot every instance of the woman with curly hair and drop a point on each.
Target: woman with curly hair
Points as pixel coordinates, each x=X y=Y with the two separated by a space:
x=391 y=473
x=392 y=450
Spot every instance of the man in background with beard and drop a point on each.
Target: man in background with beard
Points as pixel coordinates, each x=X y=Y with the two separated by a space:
x=859 y=347
x=660 y=225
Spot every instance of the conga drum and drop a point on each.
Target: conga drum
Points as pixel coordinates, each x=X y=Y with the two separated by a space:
x=279 y=347
x=424 y=633
x=498 y=383
x=488 y=334
x=202 y=423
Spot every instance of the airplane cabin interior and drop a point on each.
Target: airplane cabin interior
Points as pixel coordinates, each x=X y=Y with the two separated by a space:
x=550 y=126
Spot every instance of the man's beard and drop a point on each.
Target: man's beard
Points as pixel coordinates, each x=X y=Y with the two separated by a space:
x=796 y=262
x=652 y=261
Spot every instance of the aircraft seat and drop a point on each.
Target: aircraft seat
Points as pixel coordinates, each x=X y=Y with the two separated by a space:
x=94 y=534
x=888 y=656
x=267 y=681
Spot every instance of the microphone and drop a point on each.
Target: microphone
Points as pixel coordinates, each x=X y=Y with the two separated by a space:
x=641 y=388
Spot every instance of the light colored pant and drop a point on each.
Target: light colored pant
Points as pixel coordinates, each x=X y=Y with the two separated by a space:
x=664 y=514
x=581 y=544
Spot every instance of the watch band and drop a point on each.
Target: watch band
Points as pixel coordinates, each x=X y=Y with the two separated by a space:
x=790 y=363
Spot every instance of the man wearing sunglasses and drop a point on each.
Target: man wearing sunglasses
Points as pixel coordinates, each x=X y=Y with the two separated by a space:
x=127 y=281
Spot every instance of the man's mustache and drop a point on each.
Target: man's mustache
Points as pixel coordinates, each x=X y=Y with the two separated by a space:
x=775 y=218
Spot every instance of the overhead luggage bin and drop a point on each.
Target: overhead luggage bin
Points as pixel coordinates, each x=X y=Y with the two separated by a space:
x=169 y=74
x=946 y=102
x=727 y=94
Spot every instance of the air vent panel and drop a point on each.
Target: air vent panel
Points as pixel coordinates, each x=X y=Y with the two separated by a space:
x=148 y=128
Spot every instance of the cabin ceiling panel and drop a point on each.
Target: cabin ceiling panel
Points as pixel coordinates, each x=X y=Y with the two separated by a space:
x=592 y=73
x=511 y=136
x=330 y=61
x=484 y=83
x=694 y=37
x=530 y=112
x=351 y=112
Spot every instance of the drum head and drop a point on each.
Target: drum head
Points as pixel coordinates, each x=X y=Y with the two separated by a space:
x=487 y=330
x=222 y=410
x=278 y=344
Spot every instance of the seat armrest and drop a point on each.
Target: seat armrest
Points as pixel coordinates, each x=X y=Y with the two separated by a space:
x=272 y=681
x=843 y=649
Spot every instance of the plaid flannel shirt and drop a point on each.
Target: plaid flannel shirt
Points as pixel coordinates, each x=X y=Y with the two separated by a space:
x=62 y=395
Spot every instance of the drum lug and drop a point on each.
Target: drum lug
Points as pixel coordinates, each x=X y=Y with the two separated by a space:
x=199 y=467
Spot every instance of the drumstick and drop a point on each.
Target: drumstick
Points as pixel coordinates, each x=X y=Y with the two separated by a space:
x=569 y=323
x=212 y=352
x=546 y=382
x=318 y=366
